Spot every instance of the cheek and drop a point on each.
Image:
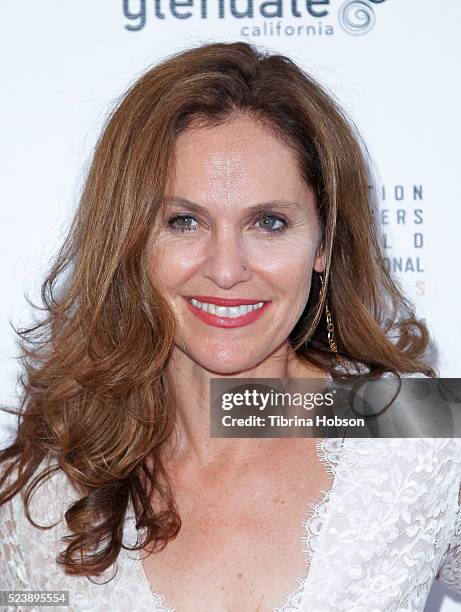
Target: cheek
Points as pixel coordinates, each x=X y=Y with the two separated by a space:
x=287 y=262
x=288 y=268
x=172 y=264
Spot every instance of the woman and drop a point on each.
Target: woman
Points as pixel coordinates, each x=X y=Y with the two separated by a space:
x=225 y=173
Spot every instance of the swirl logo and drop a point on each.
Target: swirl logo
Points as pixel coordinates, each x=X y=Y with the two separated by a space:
x=356 y=17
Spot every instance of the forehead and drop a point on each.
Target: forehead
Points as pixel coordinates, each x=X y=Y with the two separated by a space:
x=238 y=158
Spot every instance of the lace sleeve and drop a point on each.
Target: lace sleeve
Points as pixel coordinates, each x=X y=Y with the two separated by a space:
x=450 y=571
x=13 y=576
x=27 y=554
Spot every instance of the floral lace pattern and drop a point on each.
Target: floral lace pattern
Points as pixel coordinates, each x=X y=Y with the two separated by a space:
x=329 y=452
x=393 y=514
x=388 y=526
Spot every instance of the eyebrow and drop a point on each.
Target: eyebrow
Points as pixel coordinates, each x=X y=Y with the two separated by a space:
x=261 y=207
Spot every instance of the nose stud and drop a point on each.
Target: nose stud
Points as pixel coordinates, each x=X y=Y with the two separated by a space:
x=243 y=267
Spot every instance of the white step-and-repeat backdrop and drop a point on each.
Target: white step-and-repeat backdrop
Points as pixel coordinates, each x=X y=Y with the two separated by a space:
x=394 y=65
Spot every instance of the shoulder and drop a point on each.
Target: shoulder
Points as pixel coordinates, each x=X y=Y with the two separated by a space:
x=28 y=555
x=49 y=500
x=46 y=507
x=24 y=548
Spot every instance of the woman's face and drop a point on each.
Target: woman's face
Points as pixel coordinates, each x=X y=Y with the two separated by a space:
x=200 y=249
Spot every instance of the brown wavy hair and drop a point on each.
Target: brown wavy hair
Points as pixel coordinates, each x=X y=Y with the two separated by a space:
x=96 y=395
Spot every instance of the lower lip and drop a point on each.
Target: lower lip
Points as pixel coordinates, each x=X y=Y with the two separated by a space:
x=218 y=321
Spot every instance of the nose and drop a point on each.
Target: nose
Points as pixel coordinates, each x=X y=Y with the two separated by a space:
x=226 y=263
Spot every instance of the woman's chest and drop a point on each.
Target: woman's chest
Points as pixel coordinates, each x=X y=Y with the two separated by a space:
x=378 y=541
x=241 y=546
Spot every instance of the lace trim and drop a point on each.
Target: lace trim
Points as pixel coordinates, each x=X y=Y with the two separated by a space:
x=158 y=599
x=328 y=451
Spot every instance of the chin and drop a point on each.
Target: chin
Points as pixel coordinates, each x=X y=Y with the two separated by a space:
x=226 y=362
x=228 y=369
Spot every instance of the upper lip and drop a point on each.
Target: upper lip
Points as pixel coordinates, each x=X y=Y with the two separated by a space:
x=223 y=301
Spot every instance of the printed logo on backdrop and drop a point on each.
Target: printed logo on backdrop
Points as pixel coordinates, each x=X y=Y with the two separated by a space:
x=357 y=16
x=255 y=18
x=401 y=220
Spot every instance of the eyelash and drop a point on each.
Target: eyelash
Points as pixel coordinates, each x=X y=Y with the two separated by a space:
x=172 y=220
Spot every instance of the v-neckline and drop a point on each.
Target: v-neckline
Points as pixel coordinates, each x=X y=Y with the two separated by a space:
x=328 y=452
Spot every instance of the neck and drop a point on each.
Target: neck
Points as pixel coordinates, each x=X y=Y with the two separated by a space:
x=191 y=442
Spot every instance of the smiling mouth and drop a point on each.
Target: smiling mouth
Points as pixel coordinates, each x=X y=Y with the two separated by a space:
x=231 y=312
x=227 y=316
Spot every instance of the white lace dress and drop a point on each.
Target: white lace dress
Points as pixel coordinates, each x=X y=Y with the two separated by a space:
x=389 y=525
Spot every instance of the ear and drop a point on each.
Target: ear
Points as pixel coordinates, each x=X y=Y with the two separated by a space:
x=320 y=259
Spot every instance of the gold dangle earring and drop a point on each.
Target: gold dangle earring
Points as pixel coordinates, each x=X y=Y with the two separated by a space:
x=330 y=327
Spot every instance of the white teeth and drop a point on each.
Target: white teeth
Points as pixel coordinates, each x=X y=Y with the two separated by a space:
x=231 y=312
x=222 y=311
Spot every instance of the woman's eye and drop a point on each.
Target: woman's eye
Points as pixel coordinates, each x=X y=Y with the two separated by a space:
x=181 y=223
x=268 y=223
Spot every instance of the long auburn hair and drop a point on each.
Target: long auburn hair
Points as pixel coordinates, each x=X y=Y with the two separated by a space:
x=96 y=395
